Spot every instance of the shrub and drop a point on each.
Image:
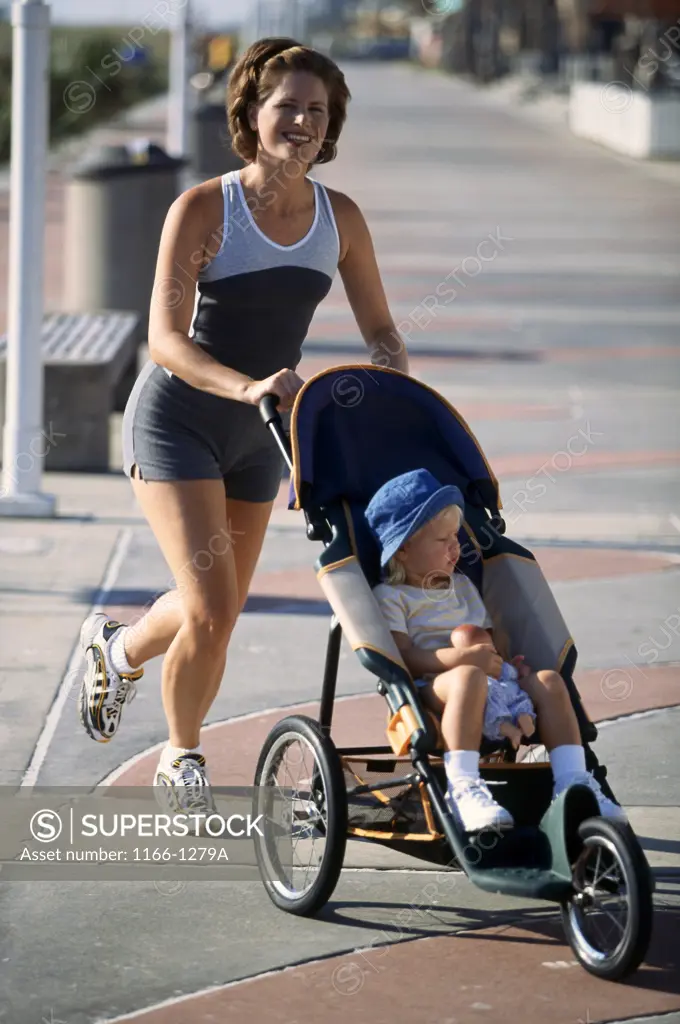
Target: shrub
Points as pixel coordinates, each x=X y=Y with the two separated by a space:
x=103 y=77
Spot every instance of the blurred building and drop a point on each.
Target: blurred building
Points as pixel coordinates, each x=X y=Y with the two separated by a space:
x=565 y=38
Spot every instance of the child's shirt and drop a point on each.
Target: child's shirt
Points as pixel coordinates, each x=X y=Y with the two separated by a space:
x=428 y=616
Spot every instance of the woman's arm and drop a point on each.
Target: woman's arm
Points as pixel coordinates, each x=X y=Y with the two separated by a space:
x=363 y=285
x=181 y=252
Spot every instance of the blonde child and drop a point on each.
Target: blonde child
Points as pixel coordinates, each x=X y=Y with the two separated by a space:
x=415 y=521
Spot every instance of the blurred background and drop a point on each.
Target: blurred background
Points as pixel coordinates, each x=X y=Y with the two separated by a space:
x=551 y=43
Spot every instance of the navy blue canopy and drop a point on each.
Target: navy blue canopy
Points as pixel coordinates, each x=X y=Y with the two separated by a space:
x=354 y=427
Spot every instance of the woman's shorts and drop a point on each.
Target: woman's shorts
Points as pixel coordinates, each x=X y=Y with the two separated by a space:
x=173 y=431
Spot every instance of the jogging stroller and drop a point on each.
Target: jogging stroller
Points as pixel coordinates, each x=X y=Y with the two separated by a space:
x=352 y=428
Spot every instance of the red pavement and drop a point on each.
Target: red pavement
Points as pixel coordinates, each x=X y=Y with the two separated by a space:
x=500 y=974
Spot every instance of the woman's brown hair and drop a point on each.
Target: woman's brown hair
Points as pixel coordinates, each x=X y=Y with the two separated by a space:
x=257 y=74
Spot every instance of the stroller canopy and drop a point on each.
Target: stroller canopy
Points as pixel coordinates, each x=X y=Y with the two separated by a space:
x=355 y=427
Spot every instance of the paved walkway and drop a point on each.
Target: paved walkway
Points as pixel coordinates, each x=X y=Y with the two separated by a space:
x=569 y=332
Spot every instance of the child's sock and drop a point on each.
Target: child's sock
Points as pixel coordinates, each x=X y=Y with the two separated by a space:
x=118 y=655
x=461 y=764
x=566 y=762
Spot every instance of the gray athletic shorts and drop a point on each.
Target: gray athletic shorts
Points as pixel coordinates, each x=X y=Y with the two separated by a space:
x=173 y=431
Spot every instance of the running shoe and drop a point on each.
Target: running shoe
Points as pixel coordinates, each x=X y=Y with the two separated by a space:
x=103 y=691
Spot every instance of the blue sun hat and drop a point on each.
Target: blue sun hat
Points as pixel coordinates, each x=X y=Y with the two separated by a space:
x=404 y=504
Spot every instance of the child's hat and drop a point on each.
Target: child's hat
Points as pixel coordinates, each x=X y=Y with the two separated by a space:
x=404 y=504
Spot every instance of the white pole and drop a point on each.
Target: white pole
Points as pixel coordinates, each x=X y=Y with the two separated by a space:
x=178 y=99
x=25 y=444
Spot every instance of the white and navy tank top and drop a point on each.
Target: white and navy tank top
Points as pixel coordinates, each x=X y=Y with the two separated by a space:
x=255 y=300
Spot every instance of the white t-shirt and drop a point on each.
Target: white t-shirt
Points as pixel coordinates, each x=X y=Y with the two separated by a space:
x=429 y=615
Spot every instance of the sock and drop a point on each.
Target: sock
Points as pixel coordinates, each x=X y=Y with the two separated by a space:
x=171 y=753
x=566 y=761
x=118 y=655
x=461 y=764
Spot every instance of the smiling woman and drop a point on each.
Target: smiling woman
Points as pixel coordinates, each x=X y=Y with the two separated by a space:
x=244 y=261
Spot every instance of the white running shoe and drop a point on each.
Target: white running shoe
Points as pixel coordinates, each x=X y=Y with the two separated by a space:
x=183 y=785
x=608 y=809
x=471 y=799
x=103 y=691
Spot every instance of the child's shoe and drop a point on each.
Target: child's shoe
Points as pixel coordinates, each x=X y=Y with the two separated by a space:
x=608 y=809
x=470 y=799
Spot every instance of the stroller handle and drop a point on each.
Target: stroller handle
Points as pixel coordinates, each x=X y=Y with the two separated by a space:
x=272 y=419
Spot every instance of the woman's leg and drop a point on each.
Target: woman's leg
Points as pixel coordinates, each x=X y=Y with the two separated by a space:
x=153 y=633
x=189 y=521
x=248 y=522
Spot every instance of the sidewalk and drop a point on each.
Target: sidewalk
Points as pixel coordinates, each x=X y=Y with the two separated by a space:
x=534 y=98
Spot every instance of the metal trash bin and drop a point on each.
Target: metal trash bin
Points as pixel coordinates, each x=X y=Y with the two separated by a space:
x=210 y=142
x=116 y=203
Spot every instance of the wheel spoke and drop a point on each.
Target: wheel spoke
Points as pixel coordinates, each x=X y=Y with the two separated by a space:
x=599 y=921
x=296 y=776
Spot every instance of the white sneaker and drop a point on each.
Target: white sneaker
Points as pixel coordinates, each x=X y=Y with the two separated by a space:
x=608 y=809
x=184 y=786
x=471 y=799
x=103 y=691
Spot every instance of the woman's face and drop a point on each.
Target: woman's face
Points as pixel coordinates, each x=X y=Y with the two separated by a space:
x=434 y=549
x=293 y=121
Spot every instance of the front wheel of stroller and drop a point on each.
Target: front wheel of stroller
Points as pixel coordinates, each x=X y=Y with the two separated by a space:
x=608 y=920
x=300 y=781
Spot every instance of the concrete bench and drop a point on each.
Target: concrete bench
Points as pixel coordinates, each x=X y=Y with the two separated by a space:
x=90 y=362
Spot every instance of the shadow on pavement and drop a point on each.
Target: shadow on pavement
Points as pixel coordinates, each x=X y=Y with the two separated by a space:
x=660 y=971
x=430 y=352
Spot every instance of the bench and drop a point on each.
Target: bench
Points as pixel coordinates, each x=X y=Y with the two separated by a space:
x=90 y=362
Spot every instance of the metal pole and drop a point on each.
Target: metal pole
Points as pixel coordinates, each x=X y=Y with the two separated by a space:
x=25 y=443
x=178 y=98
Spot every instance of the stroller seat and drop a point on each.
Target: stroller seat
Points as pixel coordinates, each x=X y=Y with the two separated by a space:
x=344 y=450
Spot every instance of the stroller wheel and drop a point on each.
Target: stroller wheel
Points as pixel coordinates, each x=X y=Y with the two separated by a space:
x=299 y=771
x=608 y=920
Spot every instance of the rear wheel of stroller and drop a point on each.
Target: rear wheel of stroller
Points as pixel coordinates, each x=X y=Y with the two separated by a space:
x=302 y=795
x=608 y=920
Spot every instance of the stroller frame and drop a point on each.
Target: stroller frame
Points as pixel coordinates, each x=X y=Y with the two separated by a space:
x=545 y=858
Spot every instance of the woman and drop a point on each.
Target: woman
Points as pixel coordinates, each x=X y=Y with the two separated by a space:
x=243 y=262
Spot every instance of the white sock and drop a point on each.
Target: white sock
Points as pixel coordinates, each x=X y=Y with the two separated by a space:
x=171 y=753
x=566 y=762
x=118 y=655
x=461 y=764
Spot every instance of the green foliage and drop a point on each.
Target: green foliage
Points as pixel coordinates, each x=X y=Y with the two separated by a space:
x=91 y=81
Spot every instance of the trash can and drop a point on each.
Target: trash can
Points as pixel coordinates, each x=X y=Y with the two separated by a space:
x=115 y=207
x=210 y=142
x=116 y=203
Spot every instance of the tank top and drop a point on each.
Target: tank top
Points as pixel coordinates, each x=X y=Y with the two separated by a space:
x=255 y=300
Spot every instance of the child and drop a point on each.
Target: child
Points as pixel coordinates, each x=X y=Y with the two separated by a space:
x=509 y=712
x=416 y=521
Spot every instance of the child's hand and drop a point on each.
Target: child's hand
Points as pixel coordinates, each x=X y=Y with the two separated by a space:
x=486 y=658
x=523 y=670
